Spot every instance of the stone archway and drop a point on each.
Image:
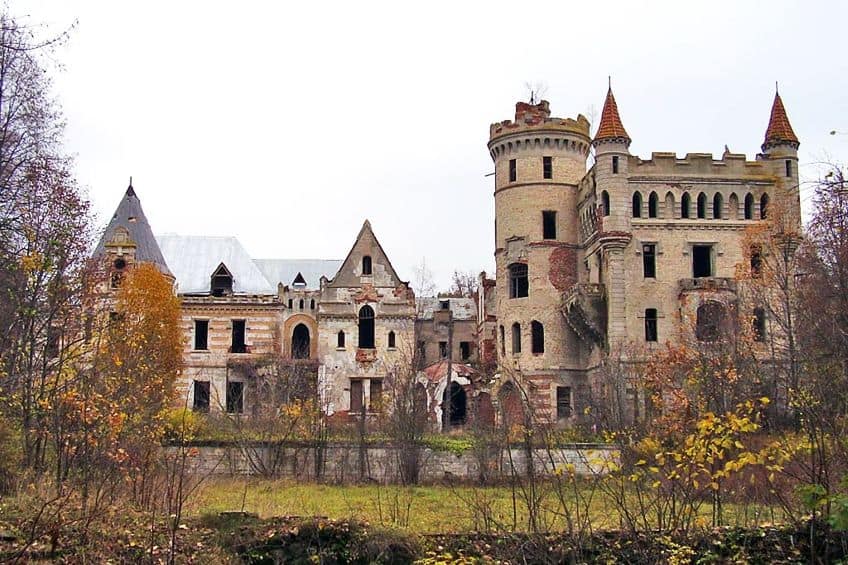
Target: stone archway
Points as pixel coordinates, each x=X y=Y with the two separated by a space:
x=300 y=342
x=455 y=395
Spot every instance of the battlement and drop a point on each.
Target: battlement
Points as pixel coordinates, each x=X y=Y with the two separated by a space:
x=699 y=165
x=537 y=117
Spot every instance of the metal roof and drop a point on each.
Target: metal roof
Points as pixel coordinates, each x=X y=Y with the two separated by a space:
x=285 y=270
x=461 y=308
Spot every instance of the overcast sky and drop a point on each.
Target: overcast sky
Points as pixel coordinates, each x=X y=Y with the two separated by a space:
x=287 y=124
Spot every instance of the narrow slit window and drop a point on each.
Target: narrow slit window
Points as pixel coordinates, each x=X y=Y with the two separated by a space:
x=605 y=203
x=653 y=205
x=749 y=206
x=549 y=224
x=537 y=331
x=649 y=260
x=340 y=340
x=685 y=203
x=516 y=338
x=651 y=324
x=637 y=204
x=718 y=203
x=391 y=340
x=615 y=165
x=547 y=167
x=366 y=265
x=702 y=206
x=512 y=173
x=788 y=168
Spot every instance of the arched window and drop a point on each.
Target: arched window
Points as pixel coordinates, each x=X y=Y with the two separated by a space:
x=290 y=303
x=653 y=205
x=391 y=340
x=702 y=205
x=518 y=283
x=605 y=203
x=366 y=327
x=366 y=265
x=340 y=340
x=764 y=202
x=312 y=304
x=669 y=205
x=537 y=331
x=749 y=206
x=718 y=202
x=684 y=205
x=516 y=338
x=710 y=318
x=300 y=342
x=733 y=206
x=637 y=204
x=300 y=305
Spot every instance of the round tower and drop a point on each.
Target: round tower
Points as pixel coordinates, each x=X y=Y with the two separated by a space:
x=539 y=161
x=780 y=148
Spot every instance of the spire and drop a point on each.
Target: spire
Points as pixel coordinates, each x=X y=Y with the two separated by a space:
x=611 y=127
x=779 y=129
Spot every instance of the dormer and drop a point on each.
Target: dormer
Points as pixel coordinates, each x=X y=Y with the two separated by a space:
x=299 y=283
x=222 y=281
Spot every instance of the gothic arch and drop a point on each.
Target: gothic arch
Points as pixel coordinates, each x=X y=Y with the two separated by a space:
x=288 y=334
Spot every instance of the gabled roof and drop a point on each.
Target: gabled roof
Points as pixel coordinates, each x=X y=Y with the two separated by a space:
x=779 y=129
x=345 y=276
x=129 y=216
x=286 y=270
x=611 y=126
x=194 y=259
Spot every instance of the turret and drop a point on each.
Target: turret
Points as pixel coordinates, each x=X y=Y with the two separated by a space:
x=612 y=155
x=780 y=147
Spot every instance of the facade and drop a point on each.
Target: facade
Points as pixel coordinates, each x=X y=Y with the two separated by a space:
x=615 y=257
x=622 y=256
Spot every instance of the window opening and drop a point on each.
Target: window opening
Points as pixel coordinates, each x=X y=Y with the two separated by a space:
x=563 y=400
x=391 y=340
x=518 y=283
x=312 y=304
x=300 y=342
x=548 y=167
x=749 y=206
x=201 y=335
x=235 y=397
x=300 y=304
x=537 y=333
x=375 y=390
x=788 y=168
x=340 y=340
x=685 y=202
x=702 y=261
x=605 y=203
x=357 y=397
x=443 y=350
x=366 y=327
x=458 y=402
x=201 y=396
x=615 y=165
x=764 y=202
x=549 y=224
x=299 y=281
x=756 y=262
x=238 y=342
x=503 y=341
x=649 y=260
x=222 y=281
x=290 y=304
x=366 y=265
x=709 y=320
x=759 y=324
x=651 y=324
x=653 y=205
x=717 y=205
x=465 y=350
x=637 y=204
x=702 y=206
x=516 y=338
x=512 y=170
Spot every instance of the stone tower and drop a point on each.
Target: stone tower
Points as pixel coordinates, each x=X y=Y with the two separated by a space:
x=539 y=162
x=780 y=149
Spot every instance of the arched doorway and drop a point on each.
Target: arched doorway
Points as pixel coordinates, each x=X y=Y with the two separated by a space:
x=457 y=400
x=300 y=342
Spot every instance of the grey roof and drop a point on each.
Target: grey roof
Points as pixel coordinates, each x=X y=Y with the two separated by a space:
x=130 y=216
x=461 y=308
x=194 y=259
x=285 y=270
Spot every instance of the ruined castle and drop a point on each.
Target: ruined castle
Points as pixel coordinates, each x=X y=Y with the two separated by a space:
x=589 y=260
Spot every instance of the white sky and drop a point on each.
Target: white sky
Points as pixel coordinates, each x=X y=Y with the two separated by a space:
x=287 y=124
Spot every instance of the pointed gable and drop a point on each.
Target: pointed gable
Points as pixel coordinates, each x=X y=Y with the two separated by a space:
x=779 y=129
x=367 y=252
x=129 y=228
x=611 y=126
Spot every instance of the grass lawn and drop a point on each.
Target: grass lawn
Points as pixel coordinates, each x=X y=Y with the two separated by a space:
x=422 y=509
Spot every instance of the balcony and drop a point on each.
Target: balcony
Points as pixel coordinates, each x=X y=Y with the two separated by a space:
x=585 y=311
x=700 y=284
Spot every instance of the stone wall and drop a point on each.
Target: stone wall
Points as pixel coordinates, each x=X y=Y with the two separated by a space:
x=341 y=462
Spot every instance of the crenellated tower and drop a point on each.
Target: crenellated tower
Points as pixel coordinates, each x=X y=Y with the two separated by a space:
x=539 y=161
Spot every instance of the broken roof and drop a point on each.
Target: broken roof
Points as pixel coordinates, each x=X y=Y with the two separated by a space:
x=439 y=370
x=286 y=270
x=461 y=308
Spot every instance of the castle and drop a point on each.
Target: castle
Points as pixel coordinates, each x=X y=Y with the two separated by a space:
x=588 y=261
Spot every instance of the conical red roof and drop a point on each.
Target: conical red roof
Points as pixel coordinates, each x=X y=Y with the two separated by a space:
x=611 y=126
x=779 y=129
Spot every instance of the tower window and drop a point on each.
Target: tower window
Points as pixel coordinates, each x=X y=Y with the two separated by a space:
x=702 y=261
x=605 y=203
x=512 y=170
x=312 y=304
x=685 y=202
x=651 y=324
x=637 y=204
x=366 y=265
x=503 y=341
x=235 y=397
x=549 y=224
x=201 y=335
x=718 y=202
x=537 y=333
x=649 y=260
x=653 y=205
x=238 y=343
x=340 y=340
x=518 y=283
x=615 y=165
x=749 y=206
x=548 y=167
x=201 y=396
x=702 y=206
x=366 y=327
x=391 y=340
x=516 y=338
x=563 y=400
x=788 y=164
x=465 y=350
x=756 y=262
x=759 y=324
x=764 y=202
